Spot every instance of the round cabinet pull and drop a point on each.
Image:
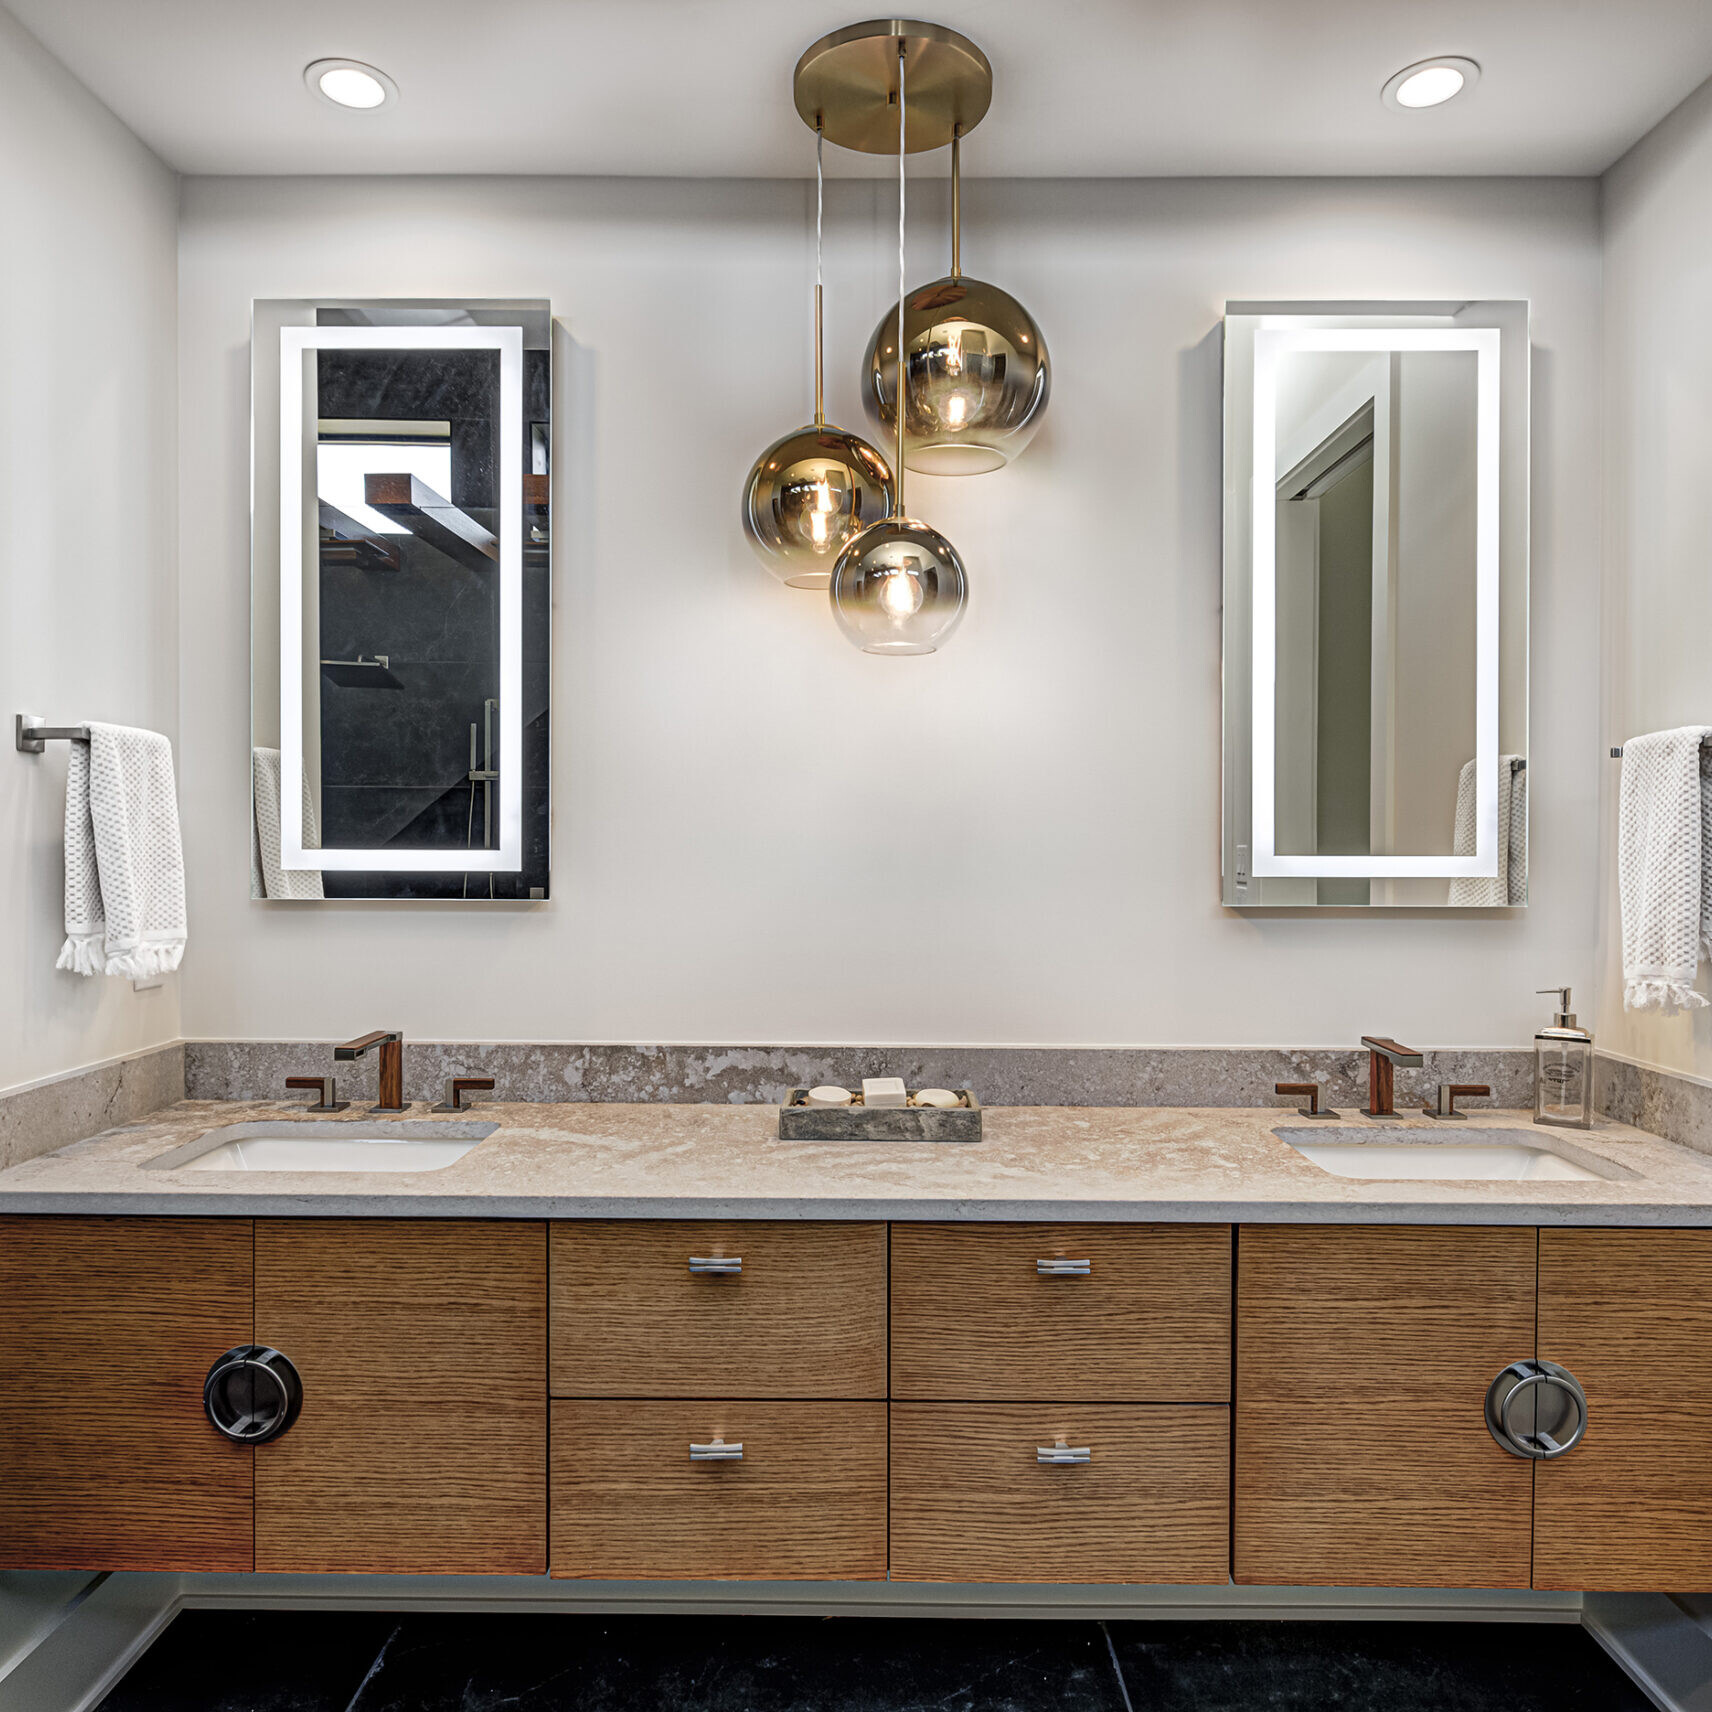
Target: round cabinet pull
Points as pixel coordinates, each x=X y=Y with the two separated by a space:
x=1536 y=1409
x=252 y=1394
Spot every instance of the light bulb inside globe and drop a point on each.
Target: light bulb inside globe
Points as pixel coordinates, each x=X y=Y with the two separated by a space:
x=901 y=591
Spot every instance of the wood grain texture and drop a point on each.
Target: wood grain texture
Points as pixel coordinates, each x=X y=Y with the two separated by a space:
x=1629 y=1313
x=807 y=1502
x=806 y=1318
x=970 y=1502
x=1363 y=1358
x=422 y=1446
x=108 y=1327
x=972 y=1320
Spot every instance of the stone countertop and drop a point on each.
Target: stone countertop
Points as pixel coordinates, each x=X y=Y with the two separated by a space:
x=1161 y=1163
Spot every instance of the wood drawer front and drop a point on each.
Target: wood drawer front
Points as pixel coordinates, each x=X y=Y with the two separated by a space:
x=1629 y=1313
x=108 y=1327
x=972 y=1502
x=422 y=1446
x=974 y=1319
x=807 y=1502
x=806 y=1317
x=1363 y=1358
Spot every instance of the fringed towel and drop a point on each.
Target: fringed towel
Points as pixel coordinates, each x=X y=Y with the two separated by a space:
x=267 y=878
x=1510 y=884
x=1664 y=868
x=124 y=864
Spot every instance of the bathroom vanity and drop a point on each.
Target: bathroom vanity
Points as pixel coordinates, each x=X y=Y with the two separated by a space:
x=635 y=1343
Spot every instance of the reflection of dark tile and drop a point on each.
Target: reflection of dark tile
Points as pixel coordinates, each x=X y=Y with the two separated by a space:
x=254 y=1661
x=739 y=1664
x=1354 y=1667
x=430 y=608
x=418 y=736
x=369 y=817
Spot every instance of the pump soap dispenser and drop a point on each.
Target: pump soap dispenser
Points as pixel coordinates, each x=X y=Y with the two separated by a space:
x=1563 y=1069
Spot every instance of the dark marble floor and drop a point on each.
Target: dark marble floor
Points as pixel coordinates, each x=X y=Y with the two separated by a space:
x=227 y=1661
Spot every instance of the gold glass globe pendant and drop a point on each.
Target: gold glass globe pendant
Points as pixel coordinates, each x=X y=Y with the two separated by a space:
x=812 y=491
x=899 y=586
x=978 y=373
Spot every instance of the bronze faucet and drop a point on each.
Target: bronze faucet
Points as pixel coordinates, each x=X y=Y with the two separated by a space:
x=1383 y=1057
x=391 y=1074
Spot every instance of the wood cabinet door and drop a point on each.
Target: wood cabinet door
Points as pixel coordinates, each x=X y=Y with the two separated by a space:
x=641 y=1308
x=108 y=1327
x=1097 y=1313
x=806 y=1500
x=1629 y=1313
x=421 y=1448
x=973 y=1501
x=1363 y=1358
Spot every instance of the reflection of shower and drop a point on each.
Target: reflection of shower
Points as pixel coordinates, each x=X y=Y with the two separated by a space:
x=484 y=775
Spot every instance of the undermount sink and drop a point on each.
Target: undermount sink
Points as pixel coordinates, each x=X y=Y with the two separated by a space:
x=1450 y=1155
x=412 y=1144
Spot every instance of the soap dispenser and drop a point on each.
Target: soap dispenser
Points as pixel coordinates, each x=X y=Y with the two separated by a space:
x=1563 y=1069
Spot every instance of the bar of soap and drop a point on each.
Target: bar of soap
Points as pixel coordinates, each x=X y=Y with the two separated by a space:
x=940 y=1097
x=828 y=1096
x=884 y=1091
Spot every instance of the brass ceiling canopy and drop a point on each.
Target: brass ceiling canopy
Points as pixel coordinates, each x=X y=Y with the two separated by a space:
x=847 y=85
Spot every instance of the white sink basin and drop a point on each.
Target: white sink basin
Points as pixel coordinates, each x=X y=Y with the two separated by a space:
x=1450 y=1155
x=410 y=1144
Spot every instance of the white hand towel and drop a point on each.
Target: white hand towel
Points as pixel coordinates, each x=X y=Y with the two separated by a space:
x=124 y=863
x=1510 y=884
x=1664 y=868
x=267 y=878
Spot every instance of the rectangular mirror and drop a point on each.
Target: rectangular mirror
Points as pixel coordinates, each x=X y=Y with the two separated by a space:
x=401 y=589
x=1375 y=618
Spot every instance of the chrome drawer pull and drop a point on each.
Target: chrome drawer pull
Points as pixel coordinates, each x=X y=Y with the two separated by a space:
x=716 y=1265
x=1062 y=1455
x=1064 y=1268
x=718 y=1451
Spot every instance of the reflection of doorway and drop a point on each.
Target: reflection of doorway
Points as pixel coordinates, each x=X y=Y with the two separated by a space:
x=1325 y=652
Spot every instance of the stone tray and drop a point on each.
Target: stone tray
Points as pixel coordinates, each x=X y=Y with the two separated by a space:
x=799 y=1121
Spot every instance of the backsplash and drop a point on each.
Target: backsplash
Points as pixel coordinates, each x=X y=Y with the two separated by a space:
x=36 y=1120
x=760 y=1075
x=1654 y=1100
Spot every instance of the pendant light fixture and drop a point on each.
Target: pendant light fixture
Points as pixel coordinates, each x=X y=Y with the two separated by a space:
x=810 y=492
x=899 y=586
x=978 y=372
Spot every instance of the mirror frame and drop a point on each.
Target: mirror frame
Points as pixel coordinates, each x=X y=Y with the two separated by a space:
x=1256 y=336
x=295 y=530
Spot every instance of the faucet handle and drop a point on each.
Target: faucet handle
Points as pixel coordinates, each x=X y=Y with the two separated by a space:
x=326 y=1089
x=458 y=1086
x=1451 y=1092
x=1312 y=1090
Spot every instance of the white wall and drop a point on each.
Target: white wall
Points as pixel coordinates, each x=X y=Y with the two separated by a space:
x=1658 y=538
x=762 y=835
x=88 y=508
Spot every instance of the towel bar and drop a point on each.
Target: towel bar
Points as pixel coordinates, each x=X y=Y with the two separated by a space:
x=33 y=736
x=1617 y=754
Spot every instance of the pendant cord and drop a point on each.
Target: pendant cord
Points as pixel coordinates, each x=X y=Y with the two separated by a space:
x=898 y=474
x=957 y=200
x=819 y=337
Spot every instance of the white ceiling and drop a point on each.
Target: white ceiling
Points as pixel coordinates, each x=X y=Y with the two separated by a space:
x=702 y=87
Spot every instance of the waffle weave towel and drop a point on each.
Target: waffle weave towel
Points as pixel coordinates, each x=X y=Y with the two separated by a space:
x=1664 y=868
x=124 y=863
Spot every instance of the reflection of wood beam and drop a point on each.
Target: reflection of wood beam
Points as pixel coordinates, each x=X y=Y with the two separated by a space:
x=344 y=541
x=430 y=518
x=535 y=493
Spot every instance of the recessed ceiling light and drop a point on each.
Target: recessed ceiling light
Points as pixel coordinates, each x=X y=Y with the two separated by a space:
x=1430 y=82
x=350 y=83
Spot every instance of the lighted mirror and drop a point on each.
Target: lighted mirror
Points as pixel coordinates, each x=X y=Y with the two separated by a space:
x=401 y=600
x=1376 y=569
